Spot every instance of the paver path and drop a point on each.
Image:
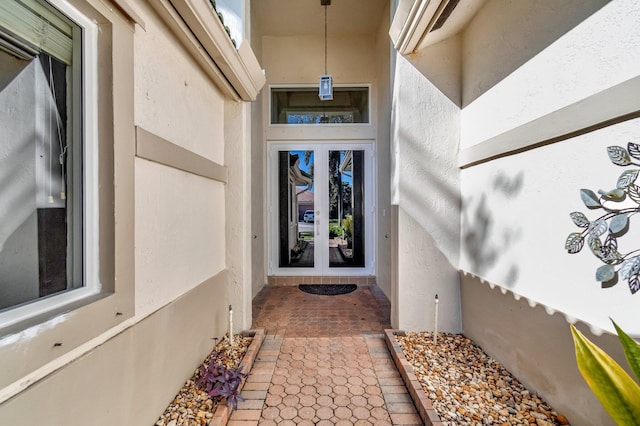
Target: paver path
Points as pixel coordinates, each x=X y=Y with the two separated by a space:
x=309 y=374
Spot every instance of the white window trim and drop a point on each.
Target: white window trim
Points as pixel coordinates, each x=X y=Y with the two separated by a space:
x=320 y=125
x=90 y=226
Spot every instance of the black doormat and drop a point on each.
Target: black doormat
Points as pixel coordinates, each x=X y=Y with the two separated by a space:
x=327 y=289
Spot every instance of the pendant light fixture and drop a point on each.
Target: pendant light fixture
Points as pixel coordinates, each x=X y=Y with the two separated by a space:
x=325 y=91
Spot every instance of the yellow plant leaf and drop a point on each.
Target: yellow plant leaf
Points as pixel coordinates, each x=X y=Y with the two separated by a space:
x=616 y=390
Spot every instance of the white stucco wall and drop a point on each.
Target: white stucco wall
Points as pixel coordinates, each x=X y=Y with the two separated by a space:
x=425 y=186
x=523 y=60
x=515 y=216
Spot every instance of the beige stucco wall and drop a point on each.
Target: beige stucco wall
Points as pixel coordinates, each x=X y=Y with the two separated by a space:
x=131 y=378
x=121 y=362
x=425 y=187
x=352 y=59
x=258 y=154
x=180 y=240
x=383 y=157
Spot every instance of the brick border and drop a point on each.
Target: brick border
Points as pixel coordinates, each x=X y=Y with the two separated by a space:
x=423 y=404
x=223 y=411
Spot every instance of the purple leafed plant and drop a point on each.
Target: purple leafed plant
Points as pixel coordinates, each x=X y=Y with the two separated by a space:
x=220 y=381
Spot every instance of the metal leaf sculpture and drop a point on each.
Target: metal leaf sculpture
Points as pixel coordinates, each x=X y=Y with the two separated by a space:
x=614 y=222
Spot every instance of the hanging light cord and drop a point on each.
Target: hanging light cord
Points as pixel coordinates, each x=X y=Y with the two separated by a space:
x=325 y=39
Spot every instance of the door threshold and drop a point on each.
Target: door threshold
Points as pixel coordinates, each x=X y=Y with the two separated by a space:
x=292 y=280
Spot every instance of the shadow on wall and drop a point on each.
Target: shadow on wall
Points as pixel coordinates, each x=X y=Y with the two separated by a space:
x=505 y=34
x=430 y=192
x=481 y=242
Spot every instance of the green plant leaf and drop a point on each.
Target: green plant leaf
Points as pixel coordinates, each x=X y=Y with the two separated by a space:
x=634 y=193
x=574 y=243
x=589 y=198
x=631 y=350
x=627 y=178
x=616 y=390
x=634 y=150
x=618 y=223
x=605 y=273
x=579 y=219
x=618 y=155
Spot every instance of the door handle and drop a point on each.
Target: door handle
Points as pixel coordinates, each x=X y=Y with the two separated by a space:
x=317 y=227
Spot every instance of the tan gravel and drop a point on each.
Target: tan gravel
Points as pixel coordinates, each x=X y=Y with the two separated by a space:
x=467 y=387
x=192 y=406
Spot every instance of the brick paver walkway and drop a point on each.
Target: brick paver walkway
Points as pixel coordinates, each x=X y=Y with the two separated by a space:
x=323 y=362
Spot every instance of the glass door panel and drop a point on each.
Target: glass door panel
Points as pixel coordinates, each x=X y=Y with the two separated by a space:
x=296 y=217
x=320 y=216
x=346 y=209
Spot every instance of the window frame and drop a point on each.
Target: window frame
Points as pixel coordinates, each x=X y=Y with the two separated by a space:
x=49 y=341
x=84 y=132
x=322 y=125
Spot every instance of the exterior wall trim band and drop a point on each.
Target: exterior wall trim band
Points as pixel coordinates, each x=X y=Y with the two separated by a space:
x=154 y=148
x=611 y=106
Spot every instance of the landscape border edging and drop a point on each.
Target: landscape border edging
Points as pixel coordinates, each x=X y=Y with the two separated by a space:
x=223 y=411
x=420 y=399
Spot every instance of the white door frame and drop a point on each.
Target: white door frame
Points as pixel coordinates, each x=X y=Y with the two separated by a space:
x=321 y=241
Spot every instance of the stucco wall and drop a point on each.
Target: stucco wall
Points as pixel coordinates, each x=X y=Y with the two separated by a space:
x=383 y=150
x=258 y=154
x=536 y=347
x=180 y=237
x=515 y=216
x=425 y=186
x=523 y=60
x=181 y=285
x=350 y=59
x=505 y=242
x=174 y=98
x=131 y=378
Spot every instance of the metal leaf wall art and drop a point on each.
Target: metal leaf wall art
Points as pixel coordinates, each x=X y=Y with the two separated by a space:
x=617 y=207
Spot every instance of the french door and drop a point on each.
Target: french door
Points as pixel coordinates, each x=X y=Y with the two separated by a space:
x=320 y=209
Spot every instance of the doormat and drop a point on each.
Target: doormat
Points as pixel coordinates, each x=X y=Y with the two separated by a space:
x=327 y=289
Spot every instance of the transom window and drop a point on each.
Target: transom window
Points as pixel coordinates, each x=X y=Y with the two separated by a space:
x=42 y=155
x=303 y=106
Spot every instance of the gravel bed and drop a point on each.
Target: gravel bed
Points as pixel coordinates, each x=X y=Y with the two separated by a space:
x=192 y=406
x=467 y=387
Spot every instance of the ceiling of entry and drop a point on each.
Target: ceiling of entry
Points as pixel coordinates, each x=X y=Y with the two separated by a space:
x=299 y=17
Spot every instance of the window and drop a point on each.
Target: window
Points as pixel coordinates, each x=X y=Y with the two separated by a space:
x=46 y=168
x=303 y=106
